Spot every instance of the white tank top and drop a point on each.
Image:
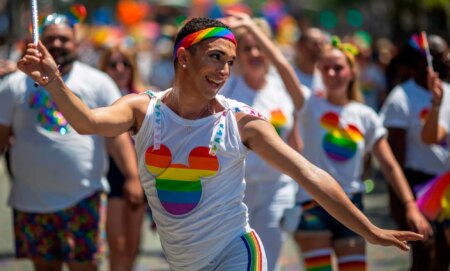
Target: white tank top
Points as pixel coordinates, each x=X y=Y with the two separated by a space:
x=192 y=172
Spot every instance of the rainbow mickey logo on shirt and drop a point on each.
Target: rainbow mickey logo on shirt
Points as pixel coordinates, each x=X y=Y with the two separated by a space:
x=340 y=143
x=178 y=186
x=278 y=120
x=48 y=116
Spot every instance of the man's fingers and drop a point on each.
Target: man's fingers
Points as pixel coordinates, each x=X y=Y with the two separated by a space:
x=409 y=236
x=42 y=49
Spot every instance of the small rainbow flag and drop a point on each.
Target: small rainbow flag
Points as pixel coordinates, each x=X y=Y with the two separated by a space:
x=420 y=43
x=433 y=198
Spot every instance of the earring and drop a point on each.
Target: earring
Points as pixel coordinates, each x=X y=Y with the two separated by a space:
x=183 y=65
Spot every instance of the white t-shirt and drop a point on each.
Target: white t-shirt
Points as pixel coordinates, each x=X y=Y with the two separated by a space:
x=54 y=167
x=196 y=199
x=312 y=81
x=444 y=114
x=406 y=107
x=373 y=81
x=275 y=104
x=337 y=138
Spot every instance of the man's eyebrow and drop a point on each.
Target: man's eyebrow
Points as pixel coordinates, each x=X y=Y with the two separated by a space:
x=222 y=53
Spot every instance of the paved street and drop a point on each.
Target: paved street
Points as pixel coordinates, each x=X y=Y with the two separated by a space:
x=152 y=259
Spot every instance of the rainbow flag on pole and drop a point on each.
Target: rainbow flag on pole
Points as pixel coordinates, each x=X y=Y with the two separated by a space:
x=420 y=43
x=433 y=198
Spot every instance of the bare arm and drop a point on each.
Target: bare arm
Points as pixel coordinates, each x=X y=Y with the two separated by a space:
x=107 y=121
x=394 y=175
x=294 y=139
x=122 y=151
x=5 y=133
x=261 y=137
x=432 y=132
x=397 y=142
x=287 y=73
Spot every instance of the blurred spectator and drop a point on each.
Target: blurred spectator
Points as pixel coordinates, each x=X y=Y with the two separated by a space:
x=339 y=130
x=436 y=130
x=372 y=77
x=404 y=112
x=162 y=71
x=124 y=218
x=59 y=191
x=308 y=51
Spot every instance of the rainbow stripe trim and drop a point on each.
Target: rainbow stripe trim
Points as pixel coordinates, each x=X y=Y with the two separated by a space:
x=318 y=260
x=208 y=33
x=352 y=263
x=253 y=251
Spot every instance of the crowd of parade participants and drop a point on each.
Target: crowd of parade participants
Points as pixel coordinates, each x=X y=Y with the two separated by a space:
x=228 y=143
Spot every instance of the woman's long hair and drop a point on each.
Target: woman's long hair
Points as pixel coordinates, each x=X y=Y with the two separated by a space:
x=135 y=85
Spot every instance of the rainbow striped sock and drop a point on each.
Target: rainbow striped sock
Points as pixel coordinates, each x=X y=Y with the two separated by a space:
x=318 y=260
x=254 y=251
x=356 y=262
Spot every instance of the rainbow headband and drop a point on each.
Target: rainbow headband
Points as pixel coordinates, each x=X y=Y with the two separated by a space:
x=208 y=33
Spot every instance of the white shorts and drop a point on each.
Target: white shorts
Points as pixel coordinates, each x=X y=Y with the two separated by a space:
x=245 y=252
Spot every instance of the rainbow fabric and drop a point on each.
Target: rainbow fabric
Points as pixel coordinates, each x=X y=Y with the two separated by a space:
x=340 y=144
x=318 y=260
x=278 y=120
x=352 y=263
x=208 y=33
x=254 y=251
x=48 y=116
x=419 y=42
x=433 y=198
x=178 y=186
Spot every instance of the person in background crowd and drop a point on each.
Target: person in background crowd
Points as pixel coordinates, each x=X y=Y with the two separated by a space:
x=308 y=50
x=58 y=194
x=340 y=131
x=372 y=77
x=435 y=131
x=403 y=114
x=124 y=218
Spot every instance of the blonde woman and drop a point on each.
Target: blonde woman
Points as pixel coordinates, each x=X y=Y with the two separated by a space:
x=124 y=217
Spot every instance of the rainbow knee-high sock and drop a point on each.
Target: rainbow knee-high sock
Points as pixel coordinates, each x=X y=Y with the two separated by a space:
x=356 y=262
x=318 y=260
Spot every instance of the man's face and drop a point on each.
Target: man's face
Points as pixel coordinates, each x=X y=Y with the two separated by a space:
x=59 y=39
x=314 y=43
x=210 y=65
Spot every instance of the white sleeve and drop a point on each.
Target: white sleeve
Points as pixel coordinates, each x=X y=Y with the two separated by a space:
x=395 y=110
x=375 y=130
x=6 y=101
x=444 y=113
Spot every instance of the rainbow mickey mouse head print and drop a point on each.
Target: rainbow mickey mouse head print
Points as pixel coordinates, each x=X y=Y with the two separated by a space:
x=179 y=187
x=339 y=143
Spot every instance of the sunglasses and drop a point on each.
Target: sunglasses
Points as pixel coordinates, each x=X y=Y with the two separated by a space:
x=113 y=65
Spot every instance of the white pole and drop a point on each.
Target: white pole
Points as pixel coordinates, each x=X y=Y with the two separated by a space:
x=427 y=50
x=34 y=18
